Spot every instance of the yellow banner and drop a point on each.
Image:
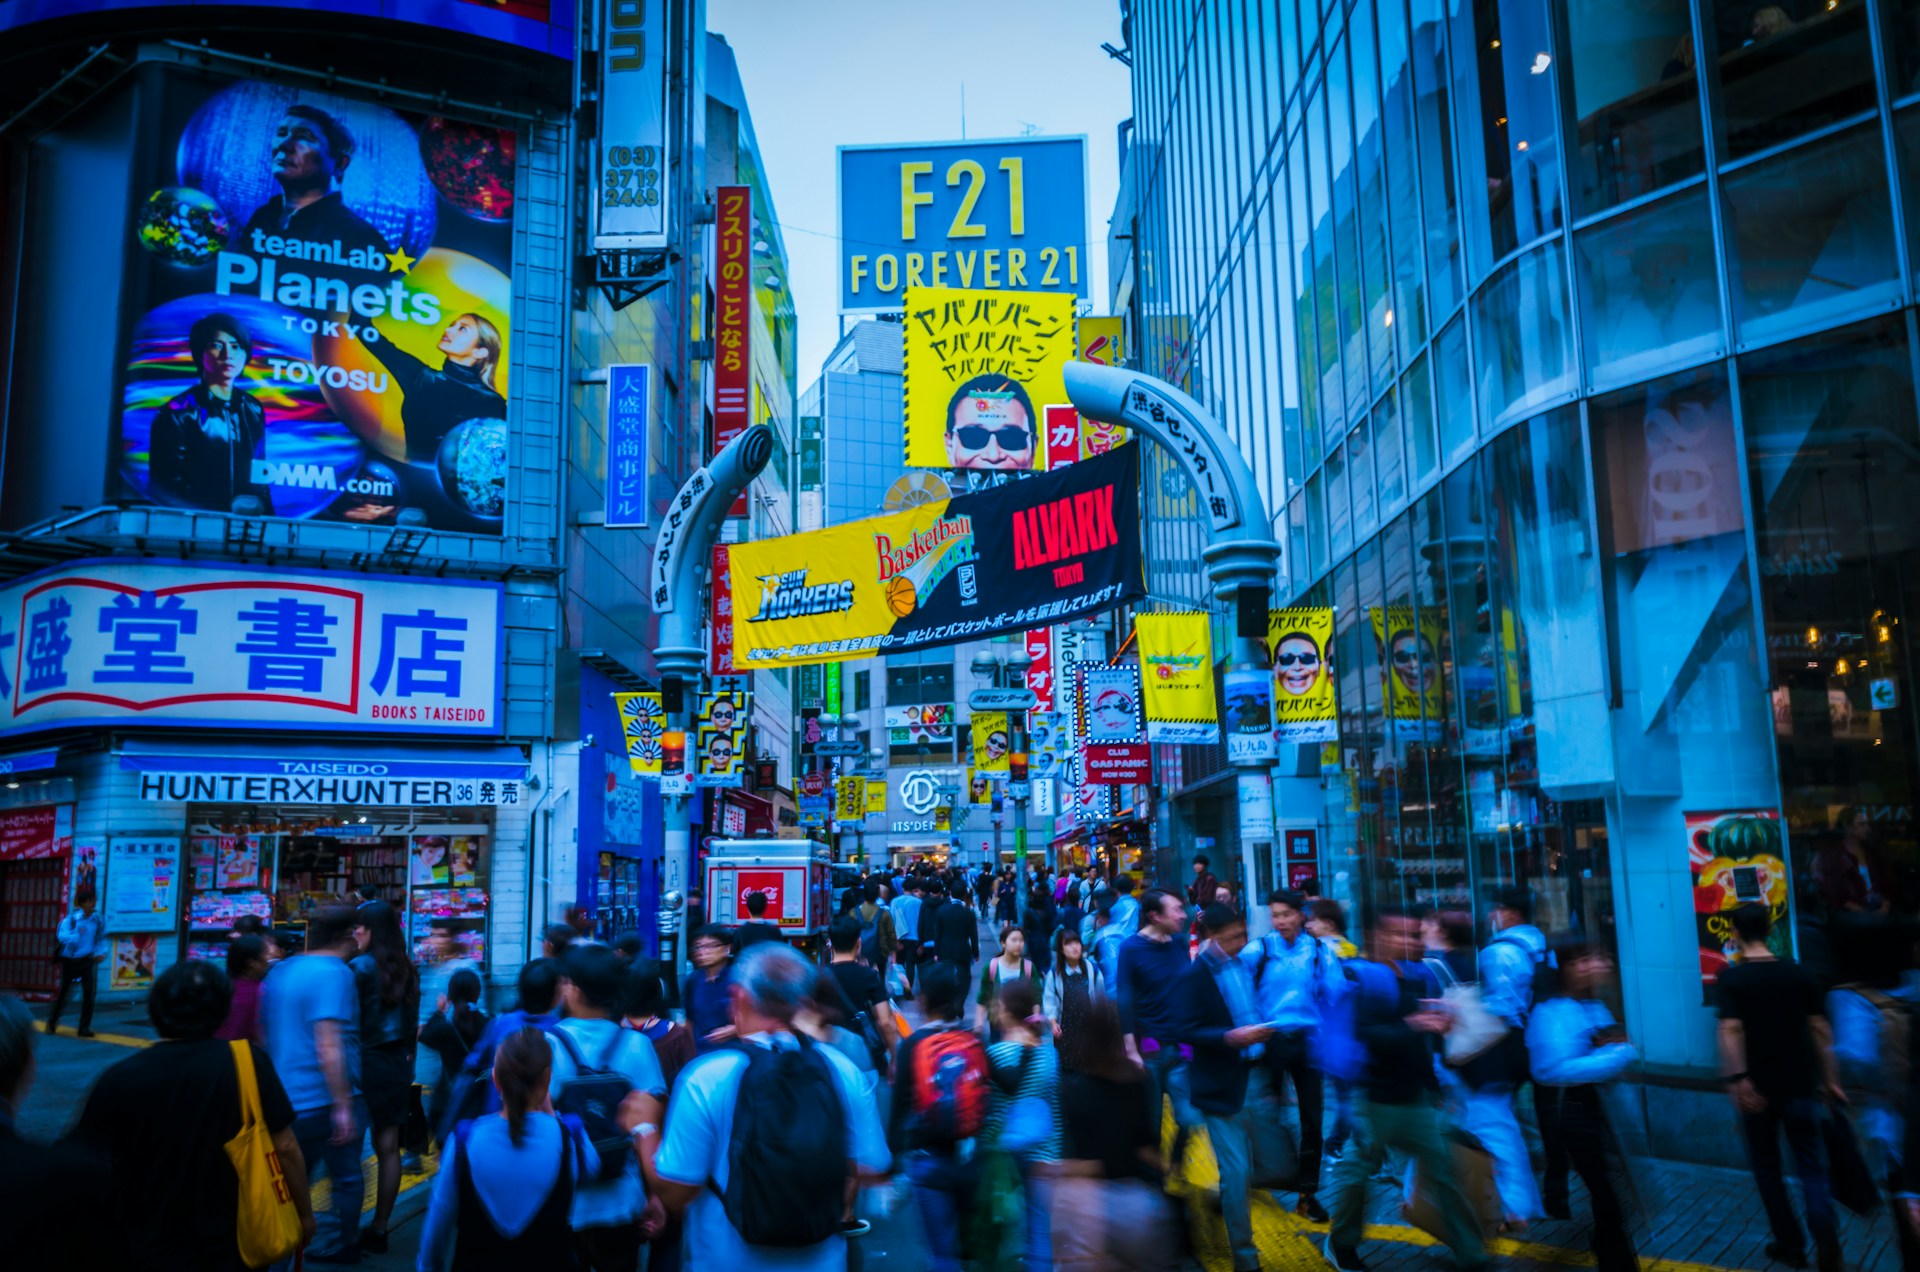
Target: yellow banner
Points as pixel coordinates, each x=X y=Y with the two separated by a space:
x=1300 y=643
x=980 y=368
x=1103 y=342
x=1410 y=667
x=876 y=796
x=642 y=722
x=992 y=742
x=850 y=799
x=1176 y=677
x=979 y=787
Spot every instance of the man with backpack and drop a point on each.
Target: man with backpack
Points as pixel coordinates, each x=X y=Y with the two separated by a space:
x=1493 y=1080
x=1294 y=975
x=768 y=1138
x=601 y=1074
x=878 y=938
x=1381 y=1033
x=940 y=1099
x=905 y=907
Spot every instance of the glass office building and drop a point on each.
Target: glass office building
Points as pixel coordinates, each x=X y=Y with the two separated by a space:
x=1573 y=345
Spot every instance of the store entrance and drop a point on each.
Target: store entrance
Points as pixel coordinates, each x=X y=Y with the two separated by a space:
x=31 y=895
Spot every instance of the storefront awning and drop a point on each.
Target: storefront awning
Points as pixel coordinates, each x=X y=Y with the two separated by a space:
x=15 y=763
x=214 y=772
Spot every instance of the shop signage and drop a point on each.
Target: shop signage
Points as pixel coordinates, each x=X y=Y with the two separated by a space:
x=27 y=833
x=1001 y=560
x=732 y=310
x=1001 y=700
x=837 y=748
x=631 y=201
x=1118 y=763
x=1103 y=343
x=814 y=784
x=994 y=214
x=28 y=762
x=672 y=544
x=627 y=391
x=173 y=643
x=1040 y=667
x=373 y=782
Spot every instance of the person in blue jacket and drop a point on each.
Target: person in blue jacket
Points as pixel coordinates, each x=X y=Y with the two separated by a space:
x=1575 y=1046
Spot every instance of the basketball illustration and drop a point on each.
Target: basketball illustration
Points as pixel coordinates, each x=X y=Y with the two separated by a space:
x=900 y=596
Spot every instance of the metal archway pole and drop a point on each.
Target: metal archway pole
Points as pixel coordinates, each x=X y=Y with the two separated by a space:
x=1242 y=558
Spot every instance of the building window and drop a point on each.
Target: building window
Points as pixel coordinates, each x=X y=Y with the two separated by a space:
x=1636 y=100
x=862 y=690
x=1788 y=68
x=1520 y=337
x=1509 y=135
x=1648 y=289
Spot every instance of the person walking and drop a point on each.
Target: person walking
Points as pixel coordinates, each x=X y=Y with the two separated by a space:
x=1010 y=965
x=765 y=1142
x=1005 y=899
x=453 y=1032
x=1067 y=992
x=1776 y=1052
x=1040 y=919
x=1024 y=1120
x=1575 y=1046
x=246 y=968
x=1397 y=1031
x=506 y=1183
x=312 y=1018
x=1109 y=1211
x=938 y=1109
x=708 y=1013
x=1493 y=1080
x=673 y=1047
x=1126 y=910
x=610 y=1215
x=1151 y=964
x=906 y=905
x=163 y=1117
x=1294 y=976
x=83 y=942
x=389 y=989
x=955 y=936
x=1201 y=891
x=1229 y=1084
x=878 y=938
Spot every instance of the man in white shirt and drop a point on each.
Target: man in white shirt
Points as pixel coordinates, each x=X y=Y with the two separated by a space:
x=906 y=926
x=691 y=1166
x=1295 y=976
x=82 y=938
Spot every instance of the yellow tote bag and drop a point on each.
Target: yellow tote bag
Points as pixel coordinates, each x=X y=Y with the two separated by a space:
x=269 y=1221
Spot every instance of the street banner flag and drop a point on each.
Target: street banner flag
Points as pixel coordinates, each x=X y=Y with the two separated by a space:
x=992 y=742
x=1300 y=643
x=1109 y=701
x=1249 y=715
x=876 y=796
x=1410 y=669
x=1062 y=546
x=721 y=738
x=1176 y=674
x=850 y=799
x=1102 y=342
x=981 y=367
x=642 y=721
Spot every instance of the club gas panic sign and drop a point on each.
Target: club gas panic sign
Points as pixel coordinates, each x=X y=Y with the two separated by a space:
x=996 y=215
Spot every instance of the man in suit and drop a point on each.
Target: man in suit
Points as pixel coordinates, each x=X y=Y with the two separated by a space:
x=949 y=926
x=1227 y=1081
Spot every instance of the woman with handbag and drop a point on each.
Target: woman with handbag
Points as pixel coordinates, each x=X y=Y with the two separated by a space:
x=502 y=1197
x=1575 y=1046
x=1024 y=1121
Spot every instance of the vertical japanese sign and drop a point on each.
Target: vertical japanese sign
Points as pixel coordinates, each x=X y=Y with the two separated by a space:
x=627 y=392
x=1063 y=436
x=850 y=799
x=631 y=203
x=720 y=640
x=733 y=321
x=643 y=722
x=177 y=643
x=1176 y=674
x=1040 y=669
x=1102 y=342
x=721 y=736
x=1300 y=642
x=978 y=367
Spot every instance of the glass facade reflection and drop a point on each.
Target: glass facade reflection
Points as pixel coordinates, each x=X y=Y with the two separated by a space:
x=1574 y=345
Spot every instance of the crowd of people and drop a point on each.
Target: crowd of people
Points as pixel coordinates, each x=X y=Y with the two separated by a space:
x=1030 y=1062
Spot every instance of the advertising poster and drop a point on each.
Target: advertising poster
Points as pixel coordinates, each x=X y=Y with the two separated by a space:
x=1410 y=662
x=631 y=209
x=980 y=787
x=992 y=742
x=463 y=861
x=1103 y=342
x=1118 y=763
x=1003 y=213
x=132 y=961
x=238 y=862
x=177 y=643
x=643 y=723
x=1110 y=700
x=1249 y=714
x=1176 y=676
x=876 y=796
x=980 y=366
x=319 y=325
x=995 y=561
x=1300 y=643
x=721 y=738
x=1735 y=858
x=930 y=722
x=202 y=855
x=1049 y=743
x=849 y=799
x=43 y=831
x=432 y=859
x=143 y=884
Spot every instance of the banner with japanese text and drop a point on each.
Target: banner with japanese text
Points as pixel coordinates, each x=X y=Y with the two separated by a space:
x=980 y=367
x=1176 y=675
x=732 y=319
x=1040 y=667
x=1103 y=343
x=1300 y=642
x=173 y=643
x=643 y=722
x=1006 y=559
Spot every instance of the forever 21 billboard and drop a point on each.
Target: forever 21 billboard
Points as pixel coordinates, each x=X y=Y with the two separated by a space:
x=321 y=302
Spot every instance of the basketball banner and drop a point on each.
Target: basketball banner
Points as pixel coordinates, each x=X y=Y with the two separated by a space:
x=1026 y=554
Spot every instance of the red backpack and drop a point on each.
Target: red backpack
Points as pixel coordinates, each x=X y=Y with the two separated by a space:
x=949 y=1088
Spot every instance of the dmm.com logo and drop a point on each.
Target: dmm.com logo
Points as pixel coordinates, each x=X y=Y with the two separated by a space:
x=269 y=472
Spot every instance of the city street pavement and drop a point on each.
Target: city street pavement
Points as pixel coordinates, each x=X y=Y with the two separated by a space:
x=1692 y=1218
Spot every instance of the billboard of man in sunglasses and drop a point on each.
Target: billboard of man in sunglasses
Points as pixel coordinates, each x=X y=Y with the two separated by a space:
x=990 y=425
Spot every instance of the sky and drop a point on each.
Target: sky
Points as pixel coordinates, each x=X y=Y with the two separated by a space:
x=820 y=74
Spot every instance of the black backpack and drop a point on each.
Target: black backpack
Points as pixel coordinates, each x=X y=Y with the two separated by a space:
x=594 y=1096
x=787 y=1159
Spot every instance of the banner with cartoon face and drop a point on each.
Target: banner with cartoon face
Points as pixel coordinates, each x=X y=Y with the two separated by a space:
x=1300 y=643
x=319 y=323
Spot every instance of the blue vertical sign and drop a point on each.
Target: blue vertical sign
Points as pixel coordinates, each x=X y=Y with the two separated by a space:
x=627 y=388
